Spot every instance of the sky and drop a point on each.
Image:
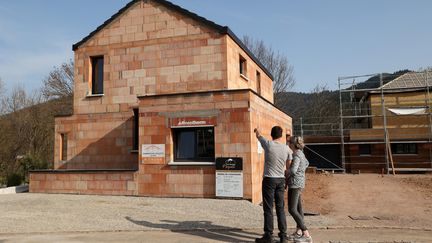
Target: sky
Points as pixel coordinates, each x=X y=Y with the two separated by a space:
x=321 y=39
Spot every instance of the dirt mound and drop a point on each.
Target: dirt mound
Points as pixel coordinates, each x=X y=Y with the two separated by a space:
x=405 y=198
x=316 y=194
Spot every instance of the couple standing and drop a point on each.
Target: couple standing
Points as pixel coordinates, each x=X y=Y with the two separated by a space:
x=282 y=165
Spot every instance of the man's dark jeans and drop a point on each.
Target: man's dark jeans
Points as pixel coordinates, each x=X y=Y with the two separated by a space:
x=273 y=190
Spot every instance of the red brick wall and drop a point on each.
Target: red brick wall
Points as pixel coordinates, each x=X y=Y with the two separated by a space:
x=96 y=183
x=235 y=113
x=96 y=141
x=229 y=110
x=149 y=49
x=263 y=116
x=249 y=80
x=176 y=181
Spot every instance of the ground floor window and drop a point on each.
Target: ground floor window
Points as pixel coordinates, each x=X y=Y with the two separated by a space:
x=364 y=149
x=404 y=148
x=63 y=146
x=135 y=130
x=194 y=144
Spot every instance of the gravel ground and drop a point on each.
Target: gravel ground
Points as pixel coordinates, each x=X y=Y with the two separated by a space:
x=28 y=212
x=45 y=213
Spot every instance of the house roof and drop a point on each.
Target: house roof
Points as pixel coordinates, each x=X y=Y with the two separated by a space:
x=220 y=29
x=410 y=80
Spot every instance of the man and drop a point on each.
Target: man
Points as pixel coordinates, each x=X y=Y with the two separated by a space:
x=277 y=155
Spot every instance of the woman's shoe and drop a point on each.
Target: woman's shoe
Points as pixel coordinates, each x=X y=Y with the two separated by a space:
x=304 y=239
x=293 y=236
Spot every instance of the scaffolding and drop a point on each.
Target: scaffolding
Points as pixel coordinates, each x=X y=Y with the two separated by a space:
x=381 y=117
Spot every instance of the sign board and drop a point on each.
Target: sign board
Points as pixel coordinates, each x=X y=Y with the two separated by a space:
x=193 y=122
x=260 y=148
x=153 y=150
x=229 y=177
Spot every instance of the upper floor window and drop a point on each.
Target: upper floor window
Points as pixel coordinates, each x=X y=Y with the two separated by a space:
x=97 y=71
x=258 y=80
x=242 y=62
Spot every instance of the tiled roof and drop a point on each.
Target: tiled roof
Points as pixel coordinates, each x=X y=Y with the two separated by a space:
x=211 y=24
x=411 y=80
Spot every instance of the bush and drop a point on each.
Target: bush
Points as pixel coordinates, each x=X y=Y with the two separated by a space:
x=14 y=180
x=30 y=162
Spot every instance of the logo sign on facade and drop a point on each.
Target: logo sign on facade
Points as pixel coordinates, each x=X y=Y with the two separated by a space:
x=193 y=122
x=230 y=164
x=229 y=177
x=153 y=151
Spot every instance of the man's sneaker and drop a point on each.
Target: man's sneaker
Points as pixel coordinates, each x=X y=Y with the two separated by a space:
x=284 y=240
x=304 y=239
x=293 y=237
x=266 y=238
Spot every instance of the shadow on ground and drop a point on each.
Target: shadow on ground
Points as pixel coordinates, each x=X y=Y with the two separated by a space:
x=204 y=229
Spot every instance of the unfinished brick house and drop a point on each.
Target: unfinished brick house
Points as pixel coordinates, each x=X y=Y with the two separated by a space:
x=160 y=92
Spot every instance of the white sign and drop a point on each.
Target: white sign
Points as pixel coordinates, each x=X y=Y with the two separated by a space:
x=229 y=184
x=153 y=150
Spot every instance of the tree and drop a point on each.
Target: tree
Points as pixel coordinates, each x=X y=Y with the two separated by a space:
x=2 y=88
x=26 y=134
x=27 y=124
x=60 y=82
x=2 y=91
x=277 y=64
x=315 y=113
x=58 y=87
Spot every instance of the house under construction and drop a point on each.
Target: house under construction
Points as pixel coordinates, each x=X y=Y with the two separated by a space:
x=384 y=125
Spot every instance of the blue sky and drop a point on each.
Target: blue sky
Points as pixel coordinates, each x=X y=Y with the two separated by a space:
x=322 y=39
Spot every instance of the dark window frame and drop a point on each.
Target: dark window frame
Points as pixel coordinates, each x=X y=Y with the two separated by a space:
x=97 y=75
x=365 y=149
x=404 y=148
x=135 y=130
x=196 y=158
x=258 y=80
x=63 y=148
x=242 y=65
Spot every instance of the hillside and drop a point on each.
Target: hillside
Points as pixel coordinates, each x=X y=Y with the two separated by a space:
x=27 y=139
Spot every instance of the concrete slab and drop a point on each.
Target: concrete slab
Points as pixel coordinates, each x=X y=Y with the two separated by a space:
x=14 y=189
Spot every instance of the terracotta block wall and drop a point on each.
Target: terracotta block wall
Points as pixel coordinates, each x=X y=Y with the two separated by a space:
x=263 y=116
x=162 y=180
x=96 y=141
x=92 y=183
x=148 y=50
x=232 y=134
x=248 y=81
x=235 y=113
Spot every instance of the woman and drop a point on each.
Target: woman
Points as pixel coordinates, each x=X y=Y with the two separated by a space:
x=296 y=183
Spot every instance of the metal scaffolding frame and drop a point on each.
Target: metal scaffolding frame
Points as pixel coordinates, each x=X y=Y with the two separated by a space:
x=354 y=110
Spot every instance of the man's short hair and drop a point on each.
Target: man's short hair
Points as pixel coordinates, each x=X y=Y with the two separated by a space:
x=276 y=132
